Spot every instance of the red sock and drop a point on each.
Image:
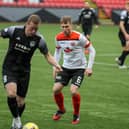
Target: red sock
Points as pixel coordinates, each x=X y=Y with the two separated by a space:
x=59 y=99
x=76 y=103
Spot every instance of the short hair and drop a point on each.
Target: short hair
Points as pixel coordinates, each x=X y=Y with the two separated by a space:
x=66 y=19
x=34 y=18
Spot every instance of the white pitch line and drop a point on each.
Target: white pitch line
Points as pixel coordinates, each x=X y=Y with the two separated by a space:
x=108 y=54
x=105 y=64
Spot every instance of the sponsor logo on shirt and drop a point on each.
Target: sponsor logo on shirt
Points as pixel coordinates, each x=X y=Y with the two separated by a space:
x=22 y=48
x=18 y=38
x=67 y=50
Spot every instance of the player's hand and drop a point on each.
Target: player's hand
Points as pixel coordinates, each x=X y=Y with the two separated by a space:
x=56 y=69
x=88 y=72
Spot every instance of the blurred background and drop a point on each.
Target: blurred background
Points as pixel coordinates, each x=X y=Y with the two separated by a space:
x=51 y=10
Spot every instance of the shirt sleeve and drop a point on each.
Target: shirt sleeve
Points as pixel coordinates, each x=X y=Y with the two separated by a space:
x=80 y=16
x=123 y=15
x=43 y=46
x=84 y=41
x=92 y=54
x=95 y=17
x=7 y=32
x=87 y=44
x=57 y=54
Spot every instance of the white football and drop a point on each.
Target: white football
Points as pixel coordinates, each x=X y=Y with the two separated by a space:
x=30 y=125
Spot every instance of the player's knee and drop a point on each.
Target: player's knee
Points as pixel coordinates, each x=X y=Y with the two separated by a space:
x=11 y=90
x=20 y=101
x=11 y=94
x=57 y=88
x=74 y=90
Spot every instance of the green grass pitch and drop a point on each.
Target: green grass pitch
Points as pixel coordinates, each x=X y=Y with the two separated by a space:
x=105 y=95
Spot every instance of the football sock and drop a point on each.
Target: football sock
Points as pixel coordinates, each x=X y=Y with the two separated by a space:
x=76 y=103
x=12 y=103
x=123 y=57
x=21 y=109
x=59 y=99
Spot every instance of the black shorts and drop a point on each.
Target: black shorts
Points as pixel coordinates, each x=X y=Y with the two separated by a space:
x=122 y=39
x=87 y=29
x=75 y=75
x=21 y=79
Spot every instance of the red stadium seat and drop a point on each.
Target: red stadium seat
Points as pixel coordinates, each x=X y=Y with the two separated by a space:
x=109 y=5
x=47 y=3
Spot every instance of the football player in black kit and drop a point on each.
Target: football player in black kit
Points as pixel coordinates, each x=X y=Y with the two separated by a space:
x=124 y=36
x=87 y=18
x=23 y=41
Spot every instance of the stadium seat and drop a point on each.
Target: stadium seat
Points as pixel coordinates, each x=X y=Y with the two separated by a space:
x=8 y=1
x=46 y=3
x=64 y=3
x=109 y=5
x=22 y=3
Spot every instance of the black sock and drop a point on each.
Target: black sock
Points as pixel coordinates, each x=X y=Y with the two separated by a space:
x=123 y=57
x=12 y=103
x=21 y=109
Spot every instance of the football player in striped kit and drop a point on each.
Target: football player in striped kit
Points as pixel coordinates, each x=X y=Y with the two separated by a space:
x=75 y=66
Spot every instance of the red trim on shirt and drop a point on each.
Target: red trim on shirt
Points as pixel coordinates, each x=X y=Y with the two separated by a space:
x=87 y=45
x=73 y=36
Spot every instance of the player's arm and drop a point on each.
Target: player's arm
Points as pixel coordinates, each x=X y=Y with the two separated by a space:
x=123 y=16
x=80 y=16
x=95 y=17
x=91 y=59
x=57 y=53
x=44 y=50
x=124 y=30
x=88 y=45
x=57 y=56
x=3 y=33
x=51 y=60
x=7 y=32
x=92 y=54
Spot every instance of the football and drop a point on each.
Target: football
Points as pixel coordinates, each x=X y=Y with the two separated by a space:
x=30 y=125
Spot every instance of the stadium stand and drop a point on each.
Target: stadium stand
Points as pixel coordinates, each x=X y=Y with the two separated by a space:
x=34 y=1
x=50 y=11
x=109 y=5
x=44 y=3
x=8 y=1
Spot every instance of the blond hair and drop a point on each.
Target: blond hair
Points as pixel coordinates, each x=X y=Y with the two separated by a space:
x=66 y=19
x=34 y=18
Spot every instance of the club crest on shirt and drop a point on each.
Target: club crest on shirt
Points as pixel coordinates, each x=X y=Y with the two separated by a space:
x=32 y=43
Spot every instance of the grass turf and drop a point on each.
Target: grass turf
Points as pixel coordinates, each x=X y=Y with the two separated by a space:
x=105 y=95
